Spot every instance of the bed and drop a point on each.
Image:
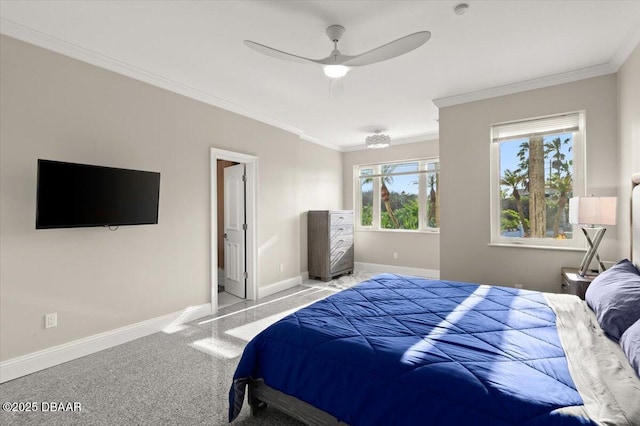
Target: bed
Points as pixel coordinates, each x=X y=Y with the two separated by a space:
x=404 y=350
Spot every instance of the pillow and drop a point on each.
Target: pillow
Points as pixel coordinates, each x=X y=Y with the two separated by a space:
x=630 y=342
x=614 y=296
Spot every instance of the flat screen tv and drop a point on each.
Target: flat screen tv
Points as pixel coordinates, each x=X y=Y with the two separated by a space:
x=77 y=195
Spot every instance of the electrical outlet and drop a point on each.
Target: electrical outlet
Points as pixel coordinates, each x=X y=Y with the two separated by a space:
x=281 y=267
x=518 y=286
x=51 y=320
x=395 y=255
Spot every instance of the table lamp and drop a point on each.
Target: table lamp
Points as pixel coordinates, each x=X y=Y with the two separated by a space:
x=591 y=211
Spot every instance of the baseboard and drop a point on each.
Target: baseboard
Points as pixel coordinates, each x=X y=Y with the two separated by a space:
x=274 y=288
x=36 y=361
x=378 y=268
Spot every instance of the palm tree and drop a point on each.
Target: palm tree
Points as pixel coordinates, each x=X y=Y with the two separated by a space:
x=563 y=185
x=384 y=195
x=537 y=201
x=523 y=167
x=433 y=218
x=512 y=180
x=555 y=147
x=384 y=192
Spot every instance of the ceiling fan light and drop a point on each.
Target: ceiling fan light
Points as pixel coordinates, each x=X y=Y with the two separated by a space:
x=335 y=71
x=378 y=141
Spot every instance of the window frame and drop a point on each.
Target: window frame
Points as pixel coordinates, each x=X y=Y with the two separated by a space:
x=377 y=201
x=577 y=242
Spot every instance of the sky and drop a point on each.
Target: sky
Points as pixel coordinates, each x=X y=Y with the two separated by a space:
x=508 y=160
x=509 y=152
x=406 y=183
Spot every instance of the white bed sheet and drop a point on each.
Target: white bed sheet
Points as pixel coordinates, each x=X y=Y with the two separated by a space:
x=606 y=381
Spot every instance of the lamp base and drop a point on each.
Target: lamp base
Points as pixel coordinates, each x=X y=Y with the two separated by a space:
x=592 y=251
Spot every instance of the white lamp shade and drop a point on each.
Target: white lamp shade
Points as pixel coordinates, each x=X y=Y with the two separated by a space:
x=593 y=210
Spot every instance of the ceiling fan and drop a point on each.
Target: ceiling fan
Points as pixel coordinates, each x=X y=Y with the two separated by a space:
x=337 y=65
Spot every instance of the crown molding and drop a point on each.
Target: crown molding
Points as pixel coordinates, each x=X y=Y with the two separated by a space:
x=49 y=42
x=523 y=86
x=422 y=137
x=631 y=41
x=320 y=142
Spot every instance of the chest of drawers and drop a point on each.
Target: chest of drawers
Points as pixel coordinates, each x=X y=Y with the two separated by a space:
x=330 y=243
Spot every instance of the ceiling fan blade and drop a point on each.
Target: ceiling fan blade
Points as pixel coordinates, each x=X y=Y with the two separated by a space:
x=390 y=50
x=275 y=53
x=336 y=89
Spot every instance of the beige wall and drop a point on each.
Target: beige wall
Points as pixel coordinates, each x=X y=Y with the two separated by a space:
x=464 y=155
x=319 y=183
x=629 y=135
x=415 y=250
x=54 y=107
x=57 y=108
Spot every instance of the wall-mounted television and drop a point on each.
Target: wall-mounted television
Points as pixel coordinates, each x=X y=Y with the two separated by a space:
x=71 y=195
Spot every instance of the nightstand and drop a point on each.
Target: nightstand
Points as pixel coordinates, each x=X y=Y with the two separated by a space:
x=572 y=283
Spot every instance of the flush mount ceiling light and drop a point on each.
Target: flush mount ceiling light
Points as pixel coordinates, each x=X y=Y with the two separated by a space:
x=378 y=141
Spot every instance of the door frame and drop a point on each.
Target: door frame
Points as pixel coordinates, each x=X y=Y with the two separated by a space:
x=251 y=261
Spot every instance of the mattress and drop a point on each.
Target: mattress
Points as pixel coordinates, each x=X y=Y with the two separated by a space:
x=406 y=350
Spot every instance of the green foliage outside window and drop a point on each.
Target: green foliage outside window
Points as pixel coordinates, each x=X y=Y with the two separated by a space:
x=536 y=206
x=366 y=216
x=400 y=187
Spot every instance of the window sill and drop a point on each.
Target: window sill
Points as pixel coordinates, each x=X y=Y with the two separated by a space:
x=530 y=246
x=401 y=231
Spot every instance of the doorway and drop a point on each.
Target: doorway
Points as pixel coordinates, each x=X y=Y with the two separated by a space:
x=230 y=208
x=233 y=227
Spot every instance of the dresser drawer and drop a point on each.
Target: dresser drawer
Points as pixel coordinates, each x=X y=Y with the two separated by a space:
x=339 y=232
x=337 y=219
x=341 y=259
x=341 y=243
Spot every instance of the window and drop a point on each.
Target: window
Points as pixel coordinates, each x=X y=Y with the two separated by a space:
x=398 y=196
x=537 y=165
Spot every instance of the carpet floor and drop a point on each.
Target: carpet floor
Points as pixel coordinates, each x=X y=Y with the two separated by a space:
x=176 y=377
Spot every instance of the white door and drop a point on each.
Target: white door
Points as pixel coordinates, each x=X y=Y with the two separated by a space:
x=234 y=232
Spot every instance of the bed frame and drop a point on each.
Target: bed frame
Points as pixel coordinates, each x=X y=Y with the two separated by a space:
x=261 y=395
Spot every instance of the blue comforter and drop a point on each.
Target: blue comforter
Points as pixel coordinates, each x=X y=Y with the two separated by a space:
x=401 y=350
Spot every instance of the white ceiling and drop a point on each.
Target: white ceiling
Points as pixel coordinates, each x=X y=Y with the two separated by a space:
x=195 y=48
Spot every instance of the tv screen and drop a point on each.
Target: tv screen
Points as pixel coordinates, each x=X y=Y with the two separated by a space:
x=76 y=195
